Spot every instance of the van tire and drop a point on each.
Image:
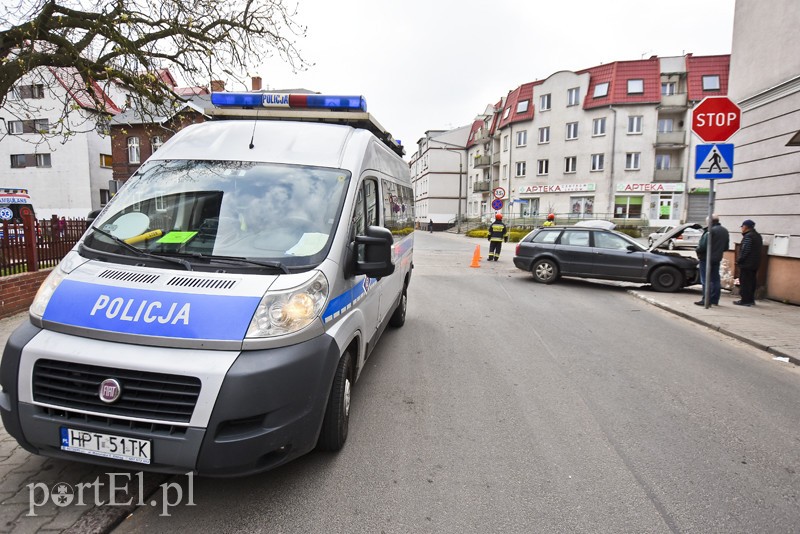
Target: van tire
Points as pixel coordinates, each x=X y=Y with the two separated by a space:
x=337 y=413
x=398 y=318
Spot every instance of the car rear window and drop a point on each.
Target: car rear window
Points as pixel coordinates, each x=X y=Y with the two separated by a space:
x=546 y=236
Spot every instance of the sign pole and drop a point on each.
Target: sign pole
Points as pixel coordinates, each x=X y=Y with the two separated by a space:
x=710 y=223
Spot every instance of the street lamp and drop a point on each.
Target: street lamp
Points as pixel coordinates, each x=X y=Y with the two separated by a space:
x=458 y=149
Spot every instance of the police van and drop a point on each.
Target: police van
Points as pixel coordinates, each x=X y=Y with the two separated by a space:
x=218 y=311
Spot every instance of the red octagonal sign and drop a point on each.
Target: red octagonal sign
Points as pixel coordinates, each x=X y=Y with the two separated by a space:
x=715 y=119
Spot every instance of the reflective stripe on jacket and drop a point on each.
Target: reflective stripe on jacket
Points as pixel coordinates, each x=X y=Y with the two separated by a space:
x=498 y=231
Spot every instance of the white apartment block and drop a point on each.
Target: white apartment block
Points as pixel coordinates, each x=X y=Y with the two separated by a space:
x=63 y=175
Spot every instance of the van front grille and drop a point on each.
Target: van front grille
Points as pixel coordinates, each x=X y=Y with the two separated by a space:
x=145 y=395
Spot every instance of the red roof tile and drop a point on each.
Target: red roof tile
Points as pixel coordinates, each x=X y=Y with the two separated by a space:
x=697 y=67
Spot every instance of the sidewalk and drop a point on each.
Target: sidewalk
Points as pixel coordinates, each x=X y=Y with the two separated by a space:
x=769 y=325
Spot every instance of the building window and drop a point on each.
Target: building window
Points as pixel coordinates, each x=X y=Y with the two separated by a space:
x=572 y=130
x=105 y=161
x=626 y=207
x=43 y=160
x=667 y=88
x=15 y=127
x=635 y=124
x=18 y=161
x=582 y=205
x=522 y=138
x=134 y=154
x=522 y=107
x=599 y=127
x=711 y=82
x=41 y=126
x=600 y=90
x=573 y=96
x=570 y=164
x=544 y=102
x=544 y=135
x=505 y=172
x=506 y=113
x=597 y=162
x=521 y=167
x=31 y=91
x=632 y=161
x=662 y=162
x=665 y=125
x=155 y=143
x=635 y=87
x=543 y=167
x=105 y=196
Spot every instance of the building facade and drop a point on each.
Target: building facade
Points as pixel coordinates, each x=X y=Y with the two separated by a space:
x=63 y=174
x=610 y=142
x=765 y=83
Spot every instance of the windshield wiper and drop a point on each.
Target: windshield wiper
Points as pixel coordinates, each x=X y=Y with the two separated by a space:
x=236 y=259
x=138 y=252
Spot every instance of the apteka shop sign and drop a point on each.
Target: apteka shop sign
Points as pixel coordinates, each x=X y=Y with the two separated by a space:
x=555 y=188
x=650 y=188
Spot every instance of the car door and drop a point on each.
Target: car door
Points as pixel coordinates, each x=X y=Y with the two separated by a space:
x=613 y=259
x=366 y=214
x=574 y=252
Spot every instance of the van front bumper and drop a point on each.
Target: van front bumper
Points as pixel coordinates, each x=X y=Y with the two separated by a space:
x=267 y=411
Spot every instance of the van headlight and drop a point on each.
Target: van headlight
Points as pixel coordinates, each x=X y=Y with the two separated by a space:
x=285 y=312
x=70 y=262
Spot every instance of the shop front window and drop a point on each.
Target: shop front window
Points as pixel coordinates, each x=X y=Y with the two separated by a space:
x=627 y=207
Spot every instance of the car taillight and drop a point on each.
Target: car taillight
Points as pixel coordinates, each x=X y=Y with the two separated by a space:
x=516 y=253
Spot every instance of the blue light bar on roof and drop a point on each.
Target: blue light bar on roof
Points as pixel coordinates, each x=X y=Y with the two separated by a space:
x=290 y=101
x=238 y=100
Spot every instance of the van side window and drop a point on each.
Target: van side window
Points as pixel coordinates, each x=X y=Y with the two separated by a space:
x=398 y=208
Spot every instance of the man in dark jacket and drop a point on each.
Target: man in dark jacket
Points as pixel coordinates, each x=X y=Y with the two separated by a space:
x=720 y=242
x=498 y=234
x=748 y=262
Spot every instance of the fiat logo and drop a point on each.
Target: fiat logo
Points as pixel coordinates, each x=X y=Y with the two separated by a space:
x=110 y=390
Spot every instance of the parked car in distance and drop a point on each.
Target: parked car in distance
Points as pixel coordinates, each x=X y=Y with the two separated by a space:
x=690 y=237
x=601 y=253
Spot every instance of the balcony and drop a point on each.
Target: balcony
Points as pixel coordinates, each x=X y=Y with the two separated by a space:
x=482 y=161
x=674 y=138
x=482 y=136
x=674 y=174
x=676 y=101
x=482 y=186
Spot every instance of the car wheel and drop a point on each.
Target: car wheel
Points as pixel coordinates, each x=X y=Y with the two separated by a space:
x=671 y=245
x=545 y=271
x=398 y=318
x=337 y=414
x=666 y=279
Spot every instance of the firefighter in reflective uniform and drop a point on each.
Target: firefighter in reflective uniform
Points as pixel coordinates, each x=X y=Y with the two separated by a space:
x=551 y=220
x=498 y=234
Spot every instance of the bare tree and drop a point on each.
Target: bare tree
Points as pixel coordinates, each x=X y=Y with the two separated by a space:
x=102 y=45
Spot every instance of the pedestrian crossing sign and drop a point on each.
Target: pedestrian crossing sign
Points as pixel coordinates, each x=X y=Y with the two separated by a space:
x=713 y=161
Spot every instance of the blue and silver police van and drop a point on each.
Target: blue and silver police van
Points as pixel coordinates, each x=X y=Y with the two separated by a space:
x=215 y=316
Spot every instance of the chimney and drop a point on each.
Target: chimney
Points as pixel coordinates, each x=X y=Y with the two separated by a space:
x=256 y=83
x=217 y=86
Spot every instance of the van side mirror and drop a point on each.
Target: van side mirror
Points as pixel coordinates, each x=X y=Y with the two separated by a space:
x=377 y=245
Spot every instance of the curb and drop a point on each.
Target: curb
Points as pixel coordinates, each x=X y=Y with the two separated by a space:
x=722 y=330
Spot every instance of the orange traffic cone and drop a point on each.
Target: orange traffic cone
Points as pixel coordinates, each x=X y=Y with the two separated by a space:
x=476 y=257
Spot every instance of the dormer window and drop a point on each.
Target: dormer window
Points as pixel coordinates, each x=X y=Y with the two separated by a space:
x=711 y=82
x=600 y=90
x=635 y=87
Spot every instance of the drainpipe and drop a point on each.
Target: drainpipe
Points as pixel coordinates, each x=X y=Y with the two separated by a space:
x=610 y=208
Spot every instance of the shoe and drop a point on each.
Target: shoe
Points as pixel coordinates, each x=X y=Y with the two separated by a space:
x=700 y=303
x=740 y=303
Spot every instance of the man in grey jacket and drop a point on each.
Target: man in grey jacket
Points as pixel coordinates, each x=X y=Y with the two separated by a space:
x=720 y=242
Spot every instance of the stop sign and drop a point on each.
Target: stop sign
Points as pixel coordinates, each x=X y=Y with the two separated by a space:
x=715 y=119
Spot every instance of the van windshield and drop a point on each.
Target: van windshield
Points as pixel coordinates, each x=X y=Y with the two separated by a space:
x=225 y=209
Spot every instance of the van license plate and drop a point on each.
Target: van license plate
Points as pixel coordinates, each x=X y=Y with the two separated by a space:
x=106 y=445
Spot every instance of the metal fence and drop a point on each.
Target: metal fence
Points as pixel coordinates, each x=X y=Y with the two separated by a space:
x=34 y=245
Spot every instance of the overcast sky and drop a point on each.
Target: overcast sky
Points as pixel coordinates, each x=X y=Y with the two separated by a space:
x=435 y=64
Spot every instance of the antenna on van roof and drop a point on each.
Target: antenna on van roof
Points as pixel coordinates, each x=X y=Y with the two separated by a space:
x=253 y=136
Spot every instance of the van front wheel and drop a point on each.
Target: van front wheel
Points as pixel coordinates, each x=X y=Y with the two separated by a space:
x=398 y=318
x=337 y=414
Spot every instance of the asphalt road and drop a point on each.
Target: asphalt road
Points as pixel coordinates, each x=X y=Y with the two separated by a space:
x=508 y=406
